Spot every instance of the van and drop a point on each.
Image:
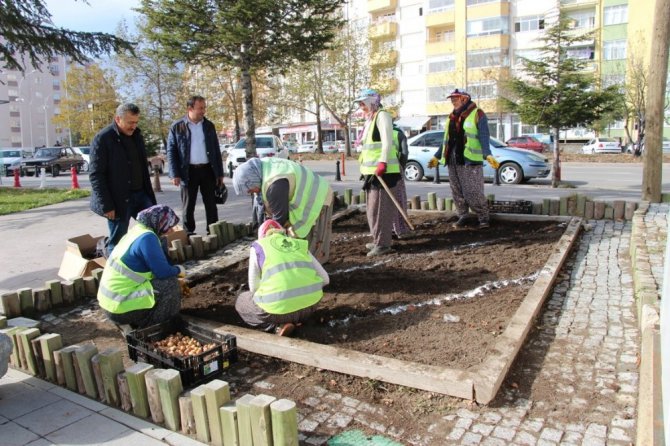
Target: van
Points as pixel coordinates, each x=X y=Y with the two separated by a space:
x=266 y=145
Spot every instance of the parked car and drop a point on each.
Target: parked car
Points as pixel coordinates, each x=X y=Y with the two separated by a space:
x=85 y=152
x=11 y=160
x=225 y=148
x=516 y=165
x=53 y=159
x=601 y=145
x=266 y=145
x=291 y=146
x=526 y=142
x=307 y=147
x=544 y=138
x=332 y=146
x=630 y=148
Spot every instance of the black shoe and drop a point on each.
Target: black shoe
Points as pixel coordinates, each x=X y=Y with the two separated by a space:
x=461 y=222
x=484 y=225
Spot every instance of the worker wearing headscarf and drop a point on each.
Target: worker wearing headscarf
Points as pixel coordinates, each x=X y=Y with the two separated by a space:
x=378 y=159
x=139 y=285
x=294 y=196
x=285 y=281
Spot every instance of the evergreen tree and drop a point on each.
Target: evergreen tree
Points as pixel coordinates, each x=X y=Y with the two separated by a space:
x=556 y=91
x=27 y=31
x=247 y=34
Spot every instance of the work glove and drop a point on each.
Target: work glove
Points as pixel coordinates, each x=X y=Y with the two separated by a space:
x=493 y=162
x=433 y=163
x=185 y=289
x=381 y=169
x=182 y=271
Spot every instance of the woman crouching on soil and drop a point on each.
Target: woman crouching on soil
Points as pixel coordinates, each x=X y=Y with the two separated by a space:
x=285 y=281
x=139 y=286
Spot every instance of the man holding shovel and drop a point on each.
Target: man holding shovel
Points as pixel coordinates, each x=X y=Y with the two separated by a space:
x=380 y=170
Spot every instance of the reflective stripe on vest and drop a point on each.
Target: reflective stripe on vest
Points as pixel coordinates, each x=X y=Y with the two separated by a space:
x=308 y=196
x=371 y=152
x=289 y=282
x=122 y=289
x=473 y=148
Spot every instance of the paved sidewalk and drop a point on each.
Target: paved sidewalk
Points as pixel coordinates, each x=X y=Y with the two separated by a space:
x=581 y=354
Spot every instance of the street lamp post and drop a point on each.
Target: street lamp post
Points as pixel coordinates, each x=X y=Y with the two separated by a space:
x=46 y=122
x=21 y=99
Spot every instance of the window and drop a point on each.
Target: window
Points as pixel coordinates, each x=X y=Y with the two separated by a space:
x=488 y=58
x=614 y=49
x=411 y=69
x=444 y=36
x=439 y=94
x=439 y=5
x=529 y=23
x=584 y=53
x=613 y=79
x=484 y=90
x=488 y=26
x=442 y=64
x=615 y=15
x=479 y=2
x=532 y=54
x=583 y=20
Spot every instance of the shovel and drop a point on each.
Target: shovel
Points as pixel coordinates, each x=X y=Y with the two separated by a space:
x=397 y=205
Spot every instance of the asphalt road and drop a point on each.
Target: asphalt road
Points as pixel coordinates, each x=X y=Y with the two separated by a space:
x=34 y=240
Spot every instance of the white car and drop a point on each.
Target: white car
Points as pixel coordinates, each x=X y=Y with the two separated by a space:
x=307 y=147
x=85 y=152
x=10 y=159
x=266 y=145
x=601 y=145
x=332 y=146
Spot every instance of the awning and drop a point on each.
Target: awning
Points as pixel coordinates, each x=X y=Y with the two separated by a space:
x=412 y=122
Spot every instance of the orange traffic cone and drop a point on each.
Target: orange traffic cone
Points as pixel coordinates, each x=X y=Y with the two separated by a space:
x=17 y=182
x=75 y=182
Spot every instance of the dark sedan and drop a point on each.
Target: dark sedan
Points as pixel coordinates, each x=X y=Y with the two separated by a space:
x=53 y=159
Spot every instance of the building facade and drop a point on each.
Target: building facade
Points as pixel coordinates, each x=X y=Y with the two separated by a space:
x=33 y=100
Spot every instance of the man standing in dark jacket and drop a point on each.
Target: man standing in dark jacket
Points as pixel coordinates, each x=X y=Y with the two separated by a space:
x=194 y=160
x=120 y=181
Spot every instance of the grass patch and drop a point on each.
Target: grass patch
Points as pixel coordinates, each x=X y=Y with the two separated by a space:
x=20 y=199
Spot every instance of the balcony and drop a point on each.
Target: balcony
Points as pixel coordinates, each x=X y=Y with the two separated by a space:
x=486 y=42
x=386 y=86
x=383 y=31
x=570 y=5
x=440 y=46
x=492 y=9
x=385 y=59
x=375 y=6
x=441 y=18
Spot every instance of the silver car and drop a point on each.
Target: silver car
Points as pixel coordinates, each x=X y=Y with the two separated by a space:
x=516 y=165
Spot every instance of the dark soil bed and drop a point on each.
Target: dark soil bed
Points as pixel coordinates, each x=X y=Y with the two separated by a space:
x=441 y=298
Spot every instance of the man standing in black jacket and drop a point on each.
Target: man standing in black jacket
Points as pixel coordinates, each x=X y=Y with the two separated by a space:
x=194 y=160
x=120 y=181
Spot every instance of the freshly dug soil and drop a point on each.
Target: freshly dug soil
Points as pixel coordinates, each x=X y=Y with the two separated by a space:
x=441 y=298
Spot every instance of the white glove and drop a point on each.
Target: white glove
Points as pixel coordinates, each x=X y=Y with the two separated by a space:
x=182 y=271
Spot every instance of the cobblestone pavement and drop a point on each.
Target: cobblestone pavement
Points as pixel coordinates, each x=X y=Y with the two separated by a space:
x=575 y=381
x=656 y=221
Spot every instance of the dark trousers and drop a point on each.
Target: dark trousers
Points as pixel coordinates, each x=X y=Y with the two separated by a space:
x=203 y=179
x=167 y=294
x=138 y=201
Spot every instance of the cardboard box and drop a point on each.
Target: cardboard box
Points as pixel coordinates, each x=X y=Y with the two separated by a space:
x=79 y=259
x=177 y=233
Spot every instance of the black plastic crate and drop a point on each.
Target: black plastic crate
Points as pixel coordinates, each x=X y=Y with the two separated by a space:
x=194 y=369
x=511 y=207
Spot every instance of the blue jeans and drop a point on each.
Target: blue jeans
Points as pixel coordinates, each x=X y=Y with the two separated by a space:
x=137 y=201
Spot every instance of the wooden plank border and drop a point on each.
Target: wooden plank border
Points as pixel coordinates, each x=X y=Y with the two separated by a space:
x=480 y=384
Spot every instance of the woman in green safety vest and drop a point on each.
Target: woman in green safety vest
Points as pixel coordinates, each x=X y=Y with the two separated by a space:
x=294 y=196
x=285 y=281
x=378 y=159
x=139 y=286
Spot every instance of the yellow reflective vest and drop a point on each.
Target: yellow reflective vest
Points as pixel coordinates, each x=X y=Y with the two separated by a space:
x=473 y=148
x=122 y=289
x=289 y=282
x=306 y=198
x=371 y=152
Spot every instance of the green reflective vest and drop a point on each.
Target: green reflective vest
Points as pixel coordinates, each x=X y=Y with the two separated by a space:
x=473 y=148
x=306 y=199
x=122 y=289
x=371 y=151
x=289 y=282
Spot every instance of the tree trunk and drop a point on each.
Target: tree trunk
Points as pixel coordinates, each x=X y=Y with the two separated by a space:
x=247 y=93
x=319 y=134
x=556 y=172
x=654 y=113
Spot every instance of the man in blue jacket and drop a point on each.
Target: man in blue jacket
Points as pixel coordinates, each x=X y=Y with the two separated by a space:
x=120 y=183
x=194 y=161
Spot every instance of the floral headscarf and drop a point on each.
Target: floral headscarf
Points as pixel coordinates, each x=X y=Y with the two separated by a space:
x=159 y=218
x=249 y=174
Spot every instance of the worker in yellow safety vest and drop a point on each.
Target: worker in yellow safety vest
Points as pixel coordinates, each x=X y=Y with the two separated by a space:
x=139 y=286
x=285 y=281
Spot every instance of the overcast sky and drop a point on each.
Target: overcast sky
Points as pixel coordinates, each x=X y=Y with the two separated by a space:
x=98 y=15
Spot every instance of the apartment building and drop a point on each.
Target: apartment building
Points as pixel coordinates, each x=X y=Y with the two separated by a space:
x=32 y=100
x=421 y=50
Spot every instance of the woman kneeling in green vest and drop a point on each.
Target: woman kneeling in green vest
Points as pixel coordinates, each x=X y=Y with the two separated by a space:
x=285 y=281
x=139 y=287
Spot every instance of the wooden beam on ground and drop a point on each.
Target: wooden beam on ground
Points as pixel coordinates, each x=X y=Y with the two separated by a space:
x=111 y=364
x=50 y=343
x=411 y=374
x=97 y=375
x=138 y=388
x=124 y=392
x=170 y=387
x=83 y=354
x=66 y=360
x=244 y=419
x=26 y=336
x=199 y=403
x=261 y=419
x=217 y=393
x=228 y=414
x=153 y=395
x=186 y=413
x=284 y=423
